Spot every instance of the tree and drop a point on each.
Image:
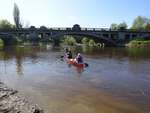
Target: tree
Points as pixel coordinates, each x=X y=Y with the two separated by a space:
x=147 y=27
x=69 y=40
x=16 y=14
x=92 y=43
x=1 y=43
x=114 y=26
x=85 y=41
x=122 y=26
x=140 y=22
x=5 y=24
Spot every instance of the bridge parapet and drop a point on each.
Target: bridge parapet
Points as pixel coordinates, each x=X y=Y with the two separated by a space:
x=70 y=29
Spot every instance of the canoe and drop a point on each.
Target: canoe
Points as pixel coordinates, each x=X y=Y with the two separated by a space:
x=74 y=63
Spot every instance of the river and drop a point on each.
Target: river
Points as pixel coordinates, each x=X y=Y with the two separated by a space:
x=116 y=81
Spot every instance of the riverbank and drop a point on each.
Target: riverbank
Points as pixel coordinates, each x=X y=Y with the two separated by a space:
x=139 y=43
x=13 y=102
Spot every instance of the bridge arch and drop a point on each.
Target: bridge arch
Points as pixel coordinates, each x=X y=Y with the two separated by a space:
x=108 y=42
x=7 y=39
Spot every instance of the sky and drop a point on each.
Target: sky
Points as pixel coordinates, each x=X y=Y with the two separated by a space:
x=66 y=13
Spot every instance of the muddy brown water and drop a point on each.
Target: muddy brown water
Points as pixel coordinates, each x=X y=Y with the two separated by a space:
x=116 y=81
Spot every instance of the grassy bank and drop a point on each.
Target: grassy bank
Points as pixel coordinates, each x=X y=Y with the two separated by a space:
x=139 y=43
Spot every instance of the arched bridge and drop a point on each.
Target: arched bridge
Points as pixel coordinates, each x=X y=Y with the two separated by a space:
x=7 y=38
x=107 y=36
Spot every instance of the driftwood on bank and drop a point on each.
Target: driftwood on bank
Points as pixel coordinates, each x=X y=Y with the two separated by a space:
x=12 y=102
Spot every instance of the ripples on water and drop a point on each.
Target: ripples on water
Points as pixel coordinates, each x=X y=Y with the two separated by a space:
x=116 y=81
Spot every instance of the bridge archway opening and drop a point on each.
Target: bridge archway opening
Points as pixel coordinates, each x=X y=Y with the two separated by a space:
x=8 y=40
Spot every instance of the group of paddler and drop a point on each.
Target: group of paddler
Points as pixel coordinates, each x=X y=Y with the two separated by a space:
x=77 y=61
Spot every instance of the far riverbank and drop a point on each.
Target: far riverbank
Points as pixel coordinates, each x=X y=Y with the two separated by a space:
x=139 y=43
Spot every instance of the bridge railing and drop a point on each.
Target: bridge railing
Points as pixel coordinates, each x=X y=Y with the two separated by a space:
x=68 y=29
x=82 y=29
x=95 y=29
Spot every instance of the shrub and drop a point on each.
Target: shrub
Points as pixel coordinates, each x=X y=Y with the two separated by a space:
x=139 y=43
x=92 y=42
x=85 y=41
x=69 y=40
x=1 y=43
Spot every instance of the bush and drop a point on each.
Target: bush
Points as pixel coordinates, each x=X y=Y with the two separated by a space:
x=92 y=42
x=85 y=41
x=139 y=43
x=1 y=43
x=69 y=40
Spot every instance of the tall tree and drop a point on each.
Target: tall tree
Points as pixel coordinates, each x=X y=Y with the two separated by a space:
x=147 y=27
x=122 y=26
x=16 y=14
x=5 y=24
x=140 y=22
x=114 y=26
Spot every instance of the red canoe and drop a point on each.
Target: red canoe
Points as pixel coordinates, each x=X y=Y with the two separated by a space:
x=74 y=63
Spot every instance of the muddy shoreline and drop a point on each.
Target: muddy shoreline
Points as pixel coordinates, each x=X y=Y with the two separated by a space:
x=13 y=102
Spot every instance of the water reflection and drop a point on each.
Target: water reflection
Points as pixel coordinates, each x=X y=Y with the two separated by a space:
x=116 y=81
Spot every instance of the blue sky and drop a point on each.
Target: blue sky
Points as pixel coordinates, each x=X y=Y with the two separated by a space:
x=66 y=13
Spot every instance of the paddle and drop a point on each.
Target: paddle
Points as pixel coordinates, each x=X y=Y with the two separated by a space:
x=62 y=56
x=86 y=64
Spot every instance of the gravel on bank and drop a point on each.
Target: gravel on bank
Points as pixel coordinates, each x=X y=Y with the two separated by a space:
x=13 y=102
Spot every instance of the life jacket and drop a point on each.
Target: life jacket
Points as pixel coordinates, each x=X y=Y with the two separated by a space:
x=79 y=59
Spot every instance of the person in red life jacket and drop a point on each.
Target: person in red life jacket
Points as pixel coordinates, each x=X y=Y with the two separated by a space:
x=79 y=58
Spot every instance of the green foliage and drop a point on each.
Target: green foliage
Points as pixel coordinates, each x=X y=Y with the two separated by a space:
x=147 y=27
x=69 y=40
x=114 y=26
x=139 y=43
x=1 y=43
x=85 y=41
x=5 y=24
x=141 y=23
x=92 y=42
x=121 y=26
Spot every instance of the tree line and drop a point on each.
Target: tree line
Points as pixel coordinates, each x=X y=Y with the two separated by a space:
x=140 y=23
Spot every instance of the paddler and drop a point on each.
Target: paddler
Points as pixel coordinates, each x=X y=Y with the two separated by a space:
x=68 y=53
x=79 y=58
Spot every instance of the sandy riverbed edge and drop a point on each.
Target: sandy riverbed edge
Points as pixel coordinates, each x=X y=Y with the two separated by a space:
x=13 y=102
